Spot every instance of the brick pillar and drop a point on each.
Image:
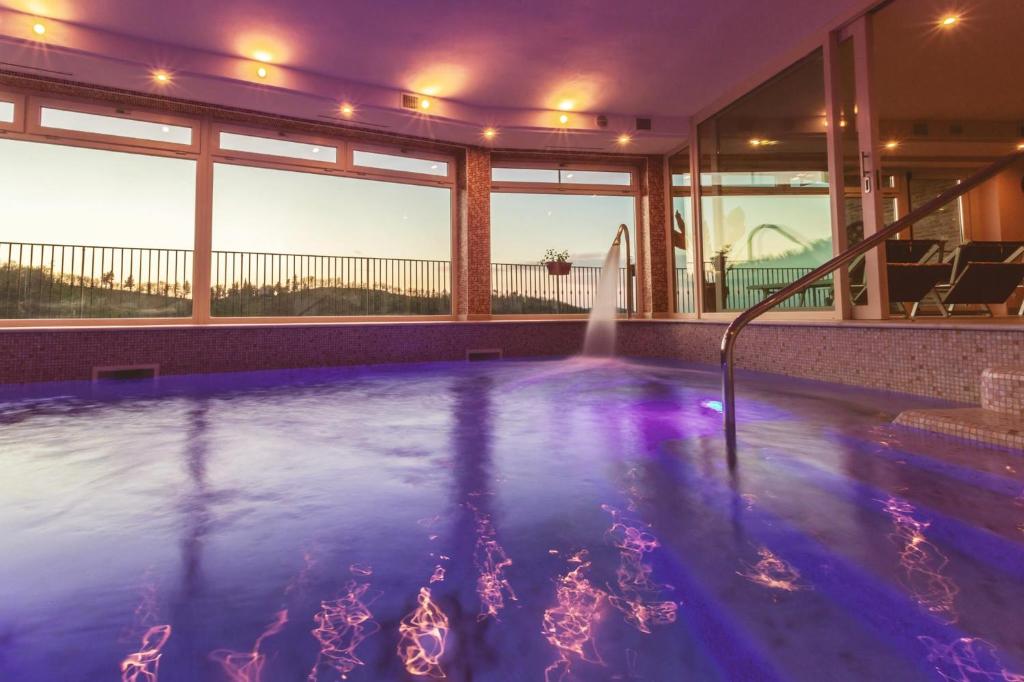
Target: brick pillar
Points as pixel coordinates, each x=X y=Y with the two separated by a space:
x=473 y=235
x=652 y=240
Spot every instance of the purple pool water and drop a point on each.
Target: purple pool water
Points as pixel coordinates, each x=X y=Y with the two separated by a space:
x=571 y=520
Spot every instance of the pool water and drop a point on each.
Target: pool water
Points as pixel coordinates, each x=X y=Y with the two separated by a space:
x=557 y=520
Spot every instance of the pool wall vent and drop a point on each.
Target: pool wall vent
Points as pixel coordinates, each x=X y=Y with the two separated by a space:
x=483 y=354
x=125 y=373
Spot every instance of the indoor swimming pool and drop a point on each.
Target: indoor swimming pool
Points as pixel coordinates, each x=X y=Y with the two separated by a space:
x=557 y=520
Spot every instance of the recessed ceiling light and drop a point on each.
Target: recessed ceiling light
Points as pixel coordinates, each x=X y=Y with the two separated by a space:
x=490 y=133
x=347 y=110
x=949 y=20
x=569 y=176
x=892 y=144
x=165 y=129
x=161 y=77
x=316 y=150
x=424 y=103
x=760 y=142
x=38 y=29
x=1020 y=147
x=262 y=72
x=262 y=56
x=563 y=119
x=566 y=105
x=625 y=139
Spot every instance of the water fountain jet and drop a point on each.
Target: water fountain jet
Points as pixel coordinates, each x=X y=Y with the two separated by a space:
x=600 y=338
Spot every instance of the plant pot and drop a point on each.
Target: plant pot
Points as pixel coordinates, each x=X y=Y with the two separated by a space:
x=558 y=268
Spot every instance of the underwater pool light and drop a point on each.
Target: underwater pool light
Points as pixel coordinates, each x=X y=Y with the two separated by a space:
x=714 y=405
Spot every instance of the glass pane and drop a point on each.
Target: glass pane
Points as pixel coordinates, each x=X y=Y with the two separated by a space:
x=405 y=164
x=765 y=203
x=87 y=233
x=288 y=243
x=524 y=227
x=272 y=147
x=113 y=125
x=682 y=233
x=6 y=112
x=524 y=175
x=586 y=177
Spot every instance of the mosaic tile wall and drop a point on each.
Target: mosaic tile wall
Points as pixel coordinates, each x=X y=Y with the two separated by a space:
x=941 y=363
x=944 y=363
x=477 y=248
x=653 y=241
x=30 y=355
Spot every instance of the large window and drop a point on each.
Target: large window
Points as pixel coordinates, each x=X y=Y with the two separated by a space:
x=765 y=192
x=89 y=233
x=525 y=226
x=681 y=233
x=292 y=243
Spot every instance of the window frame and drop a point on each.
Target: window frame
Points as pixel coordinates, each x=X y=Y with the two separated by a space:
x=286 y=164
x=219 y=154
x=18 y=100
x=506 y=186
x=205 y=151
x=382 y=173
x=34 y=125
x=629 y=165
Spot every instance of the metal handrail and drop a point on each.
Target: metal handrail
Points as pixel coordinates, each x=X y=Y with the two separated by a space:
x=869 y=242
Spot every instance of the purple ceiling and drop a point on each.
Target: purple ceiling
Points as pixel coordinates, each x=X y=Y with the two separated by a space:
x=655 y=57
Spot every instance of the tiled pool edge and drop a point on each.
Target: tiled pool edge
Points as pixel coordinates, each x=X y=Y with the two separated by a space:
x=943 y=363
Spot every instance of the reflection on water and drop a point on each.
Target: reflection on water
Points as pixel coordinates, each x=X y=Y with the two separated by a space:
x=247 y=666
x=922 y=562
x=570 y=521
x=341 y=626
x=423 y=634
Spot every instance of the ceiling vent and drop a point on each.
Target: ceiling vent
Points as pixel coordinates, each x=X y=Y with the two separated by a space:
x=643 y=124
x=410 y=101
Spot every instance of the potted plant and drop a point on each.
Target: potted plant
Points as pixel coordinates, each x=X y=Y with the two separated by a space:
x=557 y=262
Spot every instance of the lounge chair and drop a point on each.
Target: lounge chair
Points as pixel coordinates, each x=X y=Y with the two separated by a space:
x=913 y=250
x=984 y=273
x=914 y=283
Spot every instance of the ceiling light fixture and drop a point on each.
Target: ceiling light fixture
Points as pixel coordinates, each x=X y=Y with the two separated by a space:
x=892 y=144
x=490 y=133
x=262 y=56
x=424 y=103
x=624 y=139
x=566 y=105
x=563 y=119
x=262 y=72
x=161 y=77
x=316 y=150
x=38 y=29
x=347 y=110
x=1020 y=147
x=949 y=20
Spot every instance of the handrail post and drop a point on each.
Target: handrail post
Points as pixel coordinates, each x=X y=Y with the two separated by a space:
x=629 y=267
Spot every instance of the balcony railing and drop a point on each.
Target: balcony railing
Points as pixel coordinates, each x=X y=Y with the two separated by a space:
x=746 y=286
x=519 y=289
x=52 y=281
